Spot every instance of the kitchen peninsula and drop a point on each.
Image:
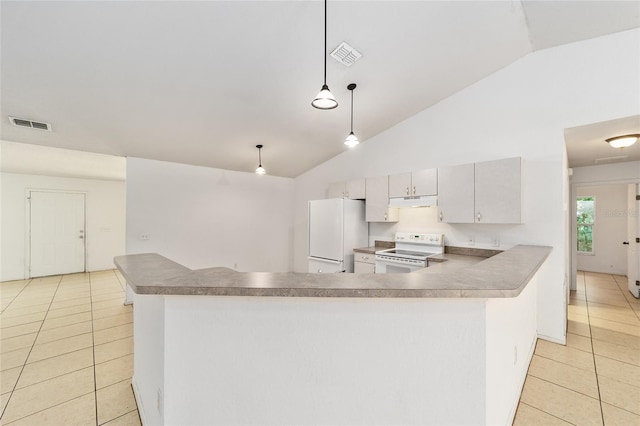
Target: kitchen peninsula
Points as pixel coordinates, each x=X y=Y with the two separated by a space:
x=216 y=346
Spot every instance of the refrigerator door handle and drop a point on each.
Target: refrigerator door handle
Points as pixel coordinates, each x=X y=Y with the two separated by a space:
x=333 y=262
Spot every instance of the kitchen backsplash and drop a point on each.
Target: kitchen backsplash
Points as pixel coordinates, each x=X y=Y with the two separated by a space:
x=425 y=219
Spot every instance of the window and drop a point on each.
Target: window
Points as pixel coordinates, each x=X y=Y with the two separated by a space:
x=586 y=210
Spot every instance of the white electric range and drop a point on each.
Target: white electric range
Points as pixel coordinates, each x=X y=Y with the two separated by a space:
x=410 y=254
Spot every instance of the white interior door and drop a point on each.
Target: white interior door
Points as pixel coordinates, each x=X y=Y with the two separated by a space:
x=57 y=233
x=633 y=228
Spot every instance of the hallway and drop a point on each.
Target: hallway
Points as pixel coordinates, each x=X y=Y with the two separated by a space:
x=595 y=379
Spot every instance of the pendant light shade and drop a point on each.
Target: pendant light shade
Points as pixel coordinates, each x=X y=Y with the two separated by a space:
x=325 y=99
x=260 y=170
x=351 y=140
x=622 y=141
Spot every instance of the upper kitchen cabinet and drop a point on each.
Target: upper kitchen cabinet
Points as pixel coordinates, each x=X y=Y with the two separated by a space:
x=353 y=189
x=456 y=194
x=377 y=204
x=487 y=192
x=423 y=182
x=498 y=191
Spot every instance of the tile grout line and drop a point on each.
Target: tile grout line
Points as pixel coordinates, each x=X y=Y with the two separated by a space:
x=536 y=408
x=93 y=350
x=593 y=355
x=560 y=386
x=122 y=415
x=30 y=349
x=19 y=293
x=628 y=302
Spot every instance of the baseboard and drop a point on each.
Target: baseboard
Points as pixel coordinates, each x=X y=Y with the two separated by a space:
x=562 y=341
x=143 y=419
x=514 y=408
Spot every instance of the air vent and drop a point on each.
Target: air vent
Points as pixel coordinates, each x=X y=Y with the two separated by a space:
x=21 y=122
x=611 y=159
x=345 y=54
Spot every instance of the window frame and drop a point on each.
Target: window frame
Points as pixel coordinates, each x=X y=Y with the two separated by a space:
x=591 y=225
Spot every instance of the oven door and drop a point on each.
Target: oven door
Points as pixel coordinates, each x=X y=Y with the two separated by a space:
x=391 y=267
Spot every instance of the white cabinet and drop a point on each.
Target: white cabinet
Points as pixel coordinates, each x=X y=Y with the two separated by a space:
x=498 y=191
x=423 y=182
x=364 y=263
x=352 y=189
x=487 y=192
x=377 y=201
x=456 y=194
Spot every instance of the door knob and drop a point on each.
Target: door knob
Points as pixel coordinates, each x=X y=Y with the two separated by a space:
x=625 y=243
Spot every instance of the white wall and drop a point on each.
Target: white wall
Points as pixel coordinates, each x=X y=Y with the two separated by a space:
x=607 y=173
x=105 y=217
x=522 y=110
x=610 y=230
x=202 y=217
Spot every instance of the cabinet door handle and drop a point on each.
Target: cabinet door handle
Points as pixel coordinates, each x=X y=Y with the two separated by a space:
x=479 y=217
x=385 y=216
x=414 y=190
x=440 y=216
x=365 y=257
x=407 y=190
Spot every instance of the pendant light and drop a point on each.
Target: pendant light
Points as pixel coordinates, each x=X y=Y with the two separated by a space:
x=324 y=99
x=260 y=170
x=623 y=141
x=351 y=140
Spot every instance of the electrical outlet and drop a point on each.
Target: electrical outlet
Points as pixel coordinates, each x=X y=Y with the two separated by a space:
x=144 y=236
x=471 y=240
x=495 y=241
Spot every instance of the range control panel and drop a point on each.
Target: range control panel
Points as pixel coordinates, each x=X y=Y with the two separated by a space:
x=427 y=239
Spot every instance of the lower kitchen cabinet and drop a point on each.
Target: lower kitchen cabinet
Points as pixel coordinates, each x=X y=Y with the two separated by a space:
x=364 y=263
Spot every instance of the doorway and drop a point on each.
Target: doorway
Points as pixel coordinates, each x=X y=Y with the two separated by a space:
x=633 y=241
x=57 y=240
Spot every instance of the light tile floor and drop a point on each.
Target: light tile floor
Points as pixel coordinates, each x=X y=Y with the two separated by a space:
x=595 y=378
x=66 y=351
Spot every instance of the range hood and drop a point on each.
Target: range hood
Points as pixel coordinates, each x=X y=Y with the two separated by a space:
x=422 y=201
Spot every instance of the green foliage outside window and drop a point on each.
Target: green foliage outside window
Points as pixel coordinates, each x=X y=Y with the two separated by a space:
x=586 y=213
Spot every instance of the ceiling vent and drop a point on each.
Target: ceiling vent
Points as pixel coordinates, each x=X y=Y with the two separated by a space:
x=21 y=122
x=616 y=159
x=345 y=54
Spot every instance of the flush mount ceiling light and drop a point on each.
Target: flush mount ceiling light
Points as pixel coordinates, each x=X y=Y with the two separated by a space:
x=623 y=141
x=260 y=170
x=325 y=99
x=351 y=140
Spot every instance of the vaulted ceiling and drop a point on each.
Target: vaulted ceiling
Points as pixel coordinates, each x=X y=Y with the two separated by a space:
x=203 y=82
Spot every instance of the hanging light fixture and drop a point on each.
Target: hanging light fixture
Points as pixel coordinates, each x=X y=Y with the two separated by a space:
x=260 y=170
x=325 y=99
x=351 y=140
x=622 y=141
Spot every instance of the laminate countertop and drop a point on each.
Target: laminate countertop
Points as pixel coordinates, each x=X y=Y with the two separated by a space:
x=500 y=276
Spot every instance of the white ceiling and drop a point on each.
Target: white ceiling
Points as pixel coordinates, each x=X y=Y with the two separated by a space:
x=586 y=145
x=204 y=82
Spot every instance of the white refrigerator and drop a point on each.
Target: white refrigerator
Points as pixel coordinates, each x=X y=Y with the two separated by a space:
x=336 y=227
